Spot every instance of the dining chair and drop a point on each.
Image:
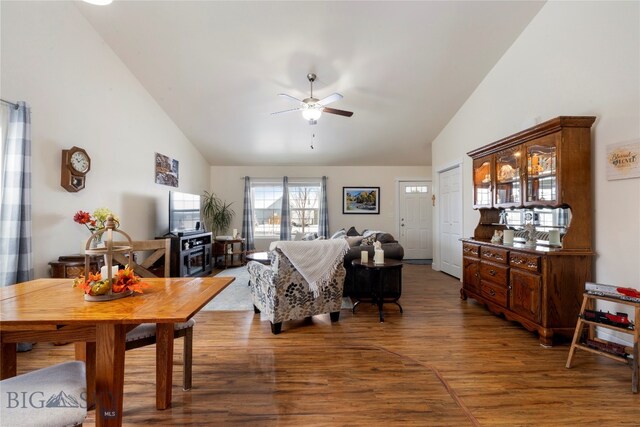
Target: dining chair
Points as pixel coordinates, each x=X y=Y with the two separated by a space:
x=146 y=263
x=52 y=396
x=145 y=334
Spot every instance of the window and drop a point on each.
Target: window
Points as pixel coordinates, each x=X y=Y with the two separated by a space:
x=416 y=189
x=304 y=205
x=267 y=200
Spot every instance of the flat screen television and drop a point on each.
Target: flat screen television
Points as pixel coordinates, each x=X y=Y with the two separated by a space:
x=184 y=213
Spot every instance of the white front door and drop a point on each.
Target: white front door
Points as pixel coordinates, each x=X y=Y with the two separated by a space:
x=450 y=213
x=415 y=219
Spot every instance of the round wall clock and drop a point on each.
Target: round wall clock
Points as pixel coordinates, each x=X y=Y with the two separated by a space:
x=75 y=165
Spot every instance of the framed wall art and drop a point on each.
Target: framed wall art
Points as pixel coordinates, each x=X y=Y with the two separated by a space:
x=360 y=200
x=166 y=170
x=623 y=160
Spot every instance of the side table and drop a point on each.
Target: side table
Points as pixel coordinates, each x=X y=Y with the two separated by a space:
x=375 y=275
x=230 y=251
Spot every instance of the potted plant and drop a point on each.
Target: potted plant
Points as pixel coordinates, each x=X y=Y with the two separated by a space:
x=216 y=213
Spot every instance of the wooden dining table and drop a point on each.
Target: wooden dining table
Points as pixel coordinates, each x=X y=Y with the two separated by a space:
x=52 y=310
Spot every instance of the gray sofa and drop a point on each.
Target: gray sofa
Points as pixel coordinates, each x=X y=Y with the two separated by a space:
x=361 y=288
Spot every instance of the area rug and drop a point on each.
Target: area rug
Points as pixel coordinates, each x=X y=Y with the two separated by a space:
x=237 y=296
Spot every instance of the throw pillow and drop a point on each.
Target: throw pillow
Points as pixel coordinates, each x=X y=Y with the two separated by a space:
x=370 y=232
x=354 y=240
x=368 y=241
x=385 y=238
x=352 y=232
x=310 y=236
x=338 y=234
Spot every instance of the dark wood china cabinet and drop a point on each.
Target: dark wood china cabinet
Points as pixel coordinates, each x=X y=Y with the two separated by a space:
x=535 y=182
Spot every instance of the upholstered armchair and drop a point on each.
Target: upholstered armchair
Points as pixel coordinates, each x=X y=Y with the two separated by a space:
x=282 y=292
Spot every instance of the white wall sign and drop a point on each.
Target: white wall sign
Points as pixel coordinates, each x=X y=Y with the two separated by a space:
x=623 y=160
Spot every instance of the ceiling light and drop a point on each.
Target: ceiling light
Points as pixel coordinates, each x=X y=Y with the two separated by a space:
x=311 y=114
x=98 y=2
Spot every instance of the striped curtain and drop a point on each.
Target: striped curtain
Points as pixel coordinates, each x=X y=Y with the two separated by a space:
x=16 y=263
x=247 y=216
x=285 y=213
x=323 y=224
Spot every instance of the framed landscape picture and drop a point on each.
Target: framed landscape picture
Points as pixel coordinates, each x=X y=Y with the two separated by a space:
x=360 y=200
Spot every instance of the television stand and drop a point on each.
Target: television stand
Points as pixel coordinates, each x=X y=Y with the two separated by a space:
x=191 y=255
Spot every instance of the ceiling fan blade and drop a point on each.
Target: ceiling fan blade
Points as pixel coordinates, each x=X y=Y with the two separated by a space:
x=329 y=99
x=338 y=112
x=287 y=111
x=284 y=95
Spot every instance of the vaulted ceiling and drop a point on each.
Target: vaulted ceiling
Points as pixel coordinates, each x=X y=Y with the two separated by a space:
x=404 y=69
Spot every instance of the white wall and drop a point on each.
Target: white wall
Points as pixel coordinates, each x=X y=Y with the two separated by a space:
x=81 y=94
x=226 y=182
x=574 y=58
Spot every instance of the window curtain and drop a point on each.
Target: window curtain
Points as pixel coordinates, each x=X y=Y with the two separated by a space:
x=285 y=213
x=16 y=259
x=247 y=216
x=323 y=221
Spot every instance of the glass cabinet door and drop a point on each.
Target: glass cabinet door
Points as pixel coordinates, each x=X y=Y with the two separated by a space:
x=507 y=172
x=542 y=184
x=482 y=182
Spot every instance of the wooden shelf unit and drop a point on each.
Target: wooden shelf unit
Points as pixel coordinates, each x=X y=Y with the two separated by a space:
x=589 y=303
x=229 y=253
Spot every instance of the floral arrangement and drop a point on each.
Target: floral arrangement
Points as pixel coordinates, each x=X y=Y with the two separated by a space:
x=95 y=221
x=124 y=281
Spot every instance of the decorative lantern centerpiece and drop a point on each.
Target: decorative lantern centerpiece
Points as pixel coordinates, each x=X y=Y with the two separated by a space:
x=110 y=283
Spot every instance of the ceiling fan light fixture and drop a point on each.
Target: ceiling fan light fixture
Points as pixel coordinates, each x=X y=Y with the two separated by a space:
x=311 y=114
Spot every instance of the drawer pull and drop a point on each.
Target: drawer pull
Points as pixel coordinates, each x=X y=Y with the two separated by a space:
x=492 y=292
x=517 y=260
x=532 y=265
x=492 y=272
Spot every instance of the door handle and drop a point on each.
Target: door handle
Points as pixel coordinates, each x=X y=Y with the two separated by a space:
x=492 y=272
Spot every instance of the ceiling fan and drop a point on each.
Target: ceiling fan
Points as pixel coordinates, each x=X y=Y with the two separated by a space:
x=312 y=108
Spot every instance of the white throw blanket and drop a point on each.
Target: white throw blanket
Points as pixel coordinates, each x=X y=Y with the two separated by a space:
x=316 y=260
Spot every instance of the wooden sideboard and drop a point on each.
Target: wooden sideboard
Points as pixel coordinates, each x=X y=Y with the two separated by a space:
x=547 y=166
x=540 y=288
x=72 y=266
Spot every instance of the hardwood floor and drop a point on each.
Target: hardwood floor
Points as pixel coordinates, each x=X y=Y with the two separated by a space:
x=443 y=362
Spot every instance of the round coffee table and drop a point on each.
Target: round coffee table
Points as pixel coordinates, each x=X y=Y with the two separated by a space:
x=375 y=279
x=261 y=257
